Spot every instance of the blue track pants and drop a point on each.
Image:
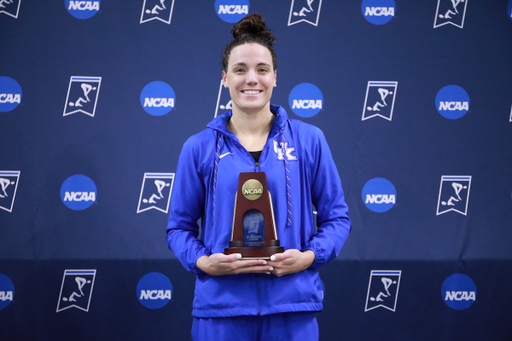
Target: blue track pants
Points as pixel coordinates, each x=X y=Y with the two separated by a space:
x=275 y=327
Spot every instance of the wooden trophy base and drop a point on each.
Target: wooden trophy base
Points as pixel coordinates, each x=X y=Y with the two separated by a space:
x=254 y=252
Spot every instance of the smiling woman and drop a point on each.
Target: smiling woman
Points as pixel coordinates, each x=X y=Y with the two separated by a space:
x=256 y=299
x=250 y=78
x=249 y=71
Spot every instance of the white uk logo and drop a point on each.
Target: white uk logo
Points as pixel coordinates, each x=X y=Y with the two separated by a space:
x=156 y=192
x=8 y=187
x=379 y=100
x=157 y=10
x=450 y=12
x=454 y=194
x=510 y=119
x=284 y=151
x=10 y=7
x=305 y=11
x=82 y=95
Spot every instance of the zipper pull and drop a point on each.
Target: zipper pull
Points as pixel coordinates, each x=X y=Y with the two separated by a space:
x=257 y=165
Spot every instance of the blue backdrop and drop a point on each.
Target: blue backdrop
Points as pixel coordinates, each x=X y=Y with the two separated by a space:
x=97 y=98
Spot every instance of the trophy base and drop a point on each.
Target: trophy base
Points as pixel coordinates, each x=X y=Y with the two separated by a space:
x=254 y=252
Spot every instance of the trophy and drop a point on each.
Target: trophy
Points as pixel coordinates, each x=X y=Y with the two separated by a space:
x=254 y=232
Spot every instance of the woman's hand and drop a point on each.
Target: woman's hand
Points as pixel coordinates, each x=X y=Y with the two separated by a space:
x=291 y=261
x=280 y=264
x=219 y=264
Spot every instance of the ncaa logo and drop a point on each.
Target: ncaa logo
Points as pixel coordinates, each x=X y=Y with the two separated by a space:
x=10 y=94
x=157 y=10
x=452 y=102
x=379 y=195
x=8 y=186
x=232 y=10
x=306 y=100
x=458 y=292
x=157 y=98
x=378 y=12
x=78 y=192
x=154 y=290
x=82 y=9
x=6 y=291
x=10 y=7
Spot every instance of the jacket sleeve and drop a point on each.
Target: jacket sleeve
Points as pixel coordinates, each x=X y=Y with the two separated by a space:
x=187 y=206
x=328 y=198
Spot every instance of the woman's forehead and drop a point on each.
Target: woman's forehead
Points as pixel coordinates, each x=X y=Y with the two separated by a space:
x=250 y=52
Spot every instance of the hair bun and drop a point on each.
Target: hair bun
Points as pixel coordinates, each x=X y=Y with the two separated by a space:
x=250 y=29
x=253 y=24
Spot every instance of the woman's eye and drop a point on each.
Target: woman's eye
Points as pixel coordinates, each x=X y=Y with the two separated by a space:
x=239 y=70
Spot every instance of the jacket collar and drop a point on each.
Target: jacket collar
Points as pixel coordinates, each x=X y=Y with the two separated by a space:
x=220 y=122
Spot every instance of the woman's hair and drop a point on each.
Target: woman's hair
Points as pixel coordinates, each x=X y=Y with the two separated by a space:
x=250 y=29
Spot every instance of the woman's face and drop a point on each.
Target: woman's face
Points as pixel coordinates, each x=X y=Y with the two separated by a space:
x=250 y=78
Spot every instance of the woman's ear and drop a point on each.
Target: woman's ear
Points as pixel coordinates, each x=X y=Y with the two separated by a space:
x=224 y=79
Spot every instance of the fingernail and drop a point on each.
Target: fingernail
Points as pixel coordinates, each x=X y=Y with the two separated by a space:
x=264 y=262
x=272 y=257
x=238 y=256
x=268 y=273
x=271 y=268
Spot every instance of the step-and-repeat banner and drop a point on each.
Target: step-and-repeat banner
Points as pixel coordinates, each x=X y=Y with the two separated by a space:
x=98 y=97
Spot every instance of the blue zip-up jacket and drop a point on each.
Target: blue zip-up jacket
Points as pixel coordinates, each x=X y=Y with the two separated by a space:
x=314 y=184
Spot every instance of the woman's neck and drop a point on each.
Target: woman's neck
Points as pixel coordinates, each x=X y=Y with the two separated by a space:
x=251 y=129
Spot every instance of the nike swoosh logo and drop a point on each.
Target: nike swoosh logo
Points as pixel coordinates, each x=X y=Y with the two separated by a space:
x=225 y=154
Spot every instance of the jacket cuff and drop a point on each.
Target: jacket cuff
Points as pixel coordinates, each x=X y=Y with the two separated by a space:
x=194 y=267
x=317 y=262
